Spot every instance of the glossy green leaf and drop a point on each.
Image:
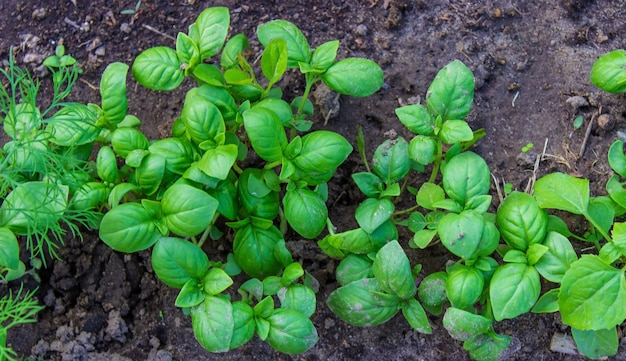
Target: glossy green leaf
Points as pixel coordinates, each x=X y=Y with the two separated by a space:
x=221 y=98
x=456 y=131
x=150 y=173
x=363 y=303
x=106 y=165
x=601 y=211
x=177 y=152
x=125 y=140
x=299 y=298
x=417 y=119
x=32 y=207
x=467 y=235
x=451 y=94
x=187 y=211
x=391 y=160
x=22 y=120
x=322 y=151
x=487 y=346
x=596 y=344
x=210 y=30
x=392 y=270
x=324 y=55
x=593 y=295
x=243 y=317
x=609 y=72
x=357 y=77
x=213 y=323
x=190 y=295
x=187 y=51
x=233 y=47
x=513 y=290
x=305 y=211
x=617 y=159
x=416 y=316
x=217 y=162
x=521 y=222
x=429 y=194
x=616 y=190
x=175 y=261
x=432 y=290
x=464 y=286
x=372 y=213
x=216 y=281
x=462 y=325
x=89 y=196
x=548 y=302
x=422 y=149
x=203 y=120
x=158 y=68
x=291 y=332
x=266 y=133
x=465 y=176
x=73 y=125
x=274 y=60
x=113 y=92
x=254 y=247
x=353 y=268
x=128 y=228
x=368 y=183
x=9 y=249
x=562 y=191
x=291 y=274
x=557 y=260
x=298 y=48
x=255 y=196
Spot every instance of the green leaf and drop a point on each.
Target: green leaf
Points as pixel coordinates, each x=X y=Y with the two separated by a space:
x=266 y=133
x=324 y=55
x=456 y=131
x=254 y=247
x=609 y=72
x=596 y=344
x=305 y=211
x=416 y=316
x=521 y=222
x=356 y=77
x=462 y=325
x=217 y=162
x=210 y=30
x=274 y=60
x=187 y=211
x=467 y=235
x=322 y=151
x=417 y=119
x=557 y=260
x=187 y=51
x=363 y=303
x=158 y=68
x=235 y=46
x=451 y=93
x=391 y=160
x=368 y=183
x=593 y=295
x=429 y=194
x=372 y=213
x=150 y=173
x=291 y=274
x=298 y=48
x=178 y=153
x=73 y=125
x=190 y=295
x=299 y=298
x=392 y=270
x=175 y=261
x=422 y=149
x=113 y=92
x=216 y=281
x=353 y=268
x=432 y=290
x=487 y=346
x=33 y=207
x=354 y=241
x=125 y=140
x=9 y=249
x=203 y=120
x=128 y=228
x=465 y=176
x=291 y=332
x=548 y=302
x=464 y=286
x=601 y=211
x=106 y=165
x=513 y=290
x=22 y=120
x=243 y=317
x=562 y=191
x=617 y=159
x=213 y=323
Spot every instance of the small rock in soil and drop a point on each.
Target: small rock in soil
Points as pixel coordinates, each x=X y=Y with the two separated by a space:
x=577 y=102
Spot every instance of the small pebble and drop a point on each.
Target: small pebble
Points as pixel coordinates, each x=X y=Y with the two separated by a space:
x=605 y=122
x=361 y=30
x=577 y=102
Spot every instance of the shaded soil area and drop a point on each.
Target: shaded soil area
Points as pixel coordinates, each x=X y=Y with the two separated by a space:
x=529 y=58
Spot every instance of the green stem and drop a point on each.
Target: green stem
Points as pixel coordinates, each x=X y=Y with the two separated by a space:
x=437 y=163
x=405 y=211
x=330 y=226
x=599 y=229
x=310 y=80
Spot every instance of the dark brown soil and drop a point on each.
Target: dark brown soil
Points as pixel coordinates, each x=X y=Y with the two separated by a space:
x=529 y=58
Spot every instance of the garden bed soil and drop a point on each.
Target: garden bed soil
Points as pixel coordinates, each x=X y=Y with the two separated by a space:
x=529 y=59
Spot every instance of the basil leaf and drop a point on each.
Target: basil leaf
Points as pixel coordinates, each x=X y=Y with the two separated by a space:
x=416 y=316
x=73 y=125
x=113 y=92
x=9 y=249
x=451 y=93
x=464 y=286
x=521 y=221
x=274 y=60
x=290 y=332
x=356 y=77
x=187 y=51
x=322 y=151
x=324 y=55
x=299 y=298
x=176 y=261
x=298 y=48
x=243 y=317
x=232 y=49
x=254 y=250
x=125 y=140
x=203 y=120
x=465 y=176
x=158 y=68
x=557 y=260
x=128 y=228
x=462 y=325
x=305 y=211
x=216 y=281
x=562 y=191
x=456 y=131
x=372 y=213
x=266 y=132
x=513 y=290
x=34 y=206
x=417 y=119
x=609 y=72
x=217 y=162
x=187 y=211
x=353 y=268
x=392 y=270
x=190 y=295
x=391 y=160
x=210 y=30
x=213 y=323
x=596 y=344
x=106 y=165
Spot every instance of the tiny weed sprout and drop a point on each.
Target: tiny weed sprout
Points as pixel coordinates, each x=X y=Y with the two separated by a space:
x=578 y=122
x=609 y=72
x=527 y=147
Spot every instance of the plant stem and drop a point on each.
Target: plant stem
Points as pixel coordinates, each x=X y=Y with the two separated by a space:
x=310 y=80
x=437 y=162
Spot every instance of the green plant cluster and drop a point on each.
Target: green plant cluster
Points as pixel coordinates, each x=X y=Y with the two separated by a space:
x=243 y=164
